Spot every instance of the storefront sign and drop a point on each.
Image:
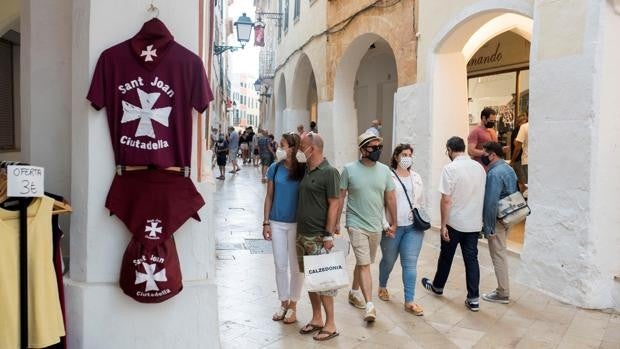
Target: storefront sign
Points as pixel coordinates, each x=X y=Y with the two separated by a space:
x=493 y=59
x=504 y=52
x=25 y=181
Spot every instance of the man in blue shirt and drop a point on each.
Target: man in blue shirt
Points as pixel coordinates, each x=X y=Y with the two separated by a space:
x=501 y=182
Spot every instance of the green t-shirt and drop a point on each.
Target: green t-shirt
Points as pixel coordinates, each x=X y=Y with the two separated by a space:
x=366 y=187
x=315 y=189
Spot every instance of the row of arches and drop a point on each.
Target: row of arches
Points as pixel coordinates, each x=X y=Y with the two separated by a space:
x=365 y=79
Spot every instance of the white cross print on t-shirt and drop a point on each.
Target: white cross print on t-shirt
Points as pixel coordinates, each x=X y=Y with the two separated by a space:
x=150 y=277
x=153 y=230
x=149 y=53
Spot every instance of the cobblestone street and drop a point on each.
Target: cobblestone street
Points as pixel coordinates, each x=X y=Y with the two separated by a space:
x=247 y=297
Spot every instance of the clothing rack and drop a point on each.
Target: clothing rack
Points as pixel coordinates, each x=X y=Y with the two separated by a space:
x=22 y=204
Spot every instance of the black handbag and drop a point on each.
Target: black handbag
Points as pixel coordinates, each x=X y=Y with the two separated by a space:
x=421 y=220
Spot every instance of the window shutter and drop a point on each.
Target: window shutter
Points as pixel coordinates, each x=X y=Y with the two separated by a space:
x=7 y=121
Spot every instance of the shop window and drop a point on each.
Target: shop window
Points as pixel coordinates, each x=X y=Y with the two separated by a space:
x=7 y=96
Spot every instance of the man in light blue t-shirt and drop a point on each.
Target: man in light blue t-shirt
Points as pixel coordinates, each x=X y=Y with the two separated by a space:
x=371 y=191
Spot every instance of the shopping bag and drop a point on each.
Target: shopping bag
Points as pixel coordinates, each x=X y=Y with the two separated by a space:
x=342 y=244
x=325 y=272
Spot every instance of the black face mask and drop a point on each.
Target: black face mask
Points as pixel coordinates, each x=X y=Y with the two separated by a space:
x=374 y=155
x=489 y=124
x=485 y=160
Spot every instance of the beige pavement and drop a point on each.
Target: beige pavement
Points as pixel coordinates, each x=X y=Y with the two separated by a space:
x=247 y=298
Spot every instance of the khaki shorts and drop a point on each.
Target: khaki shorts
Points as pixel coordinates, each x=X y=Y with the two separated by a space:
x=365 y=245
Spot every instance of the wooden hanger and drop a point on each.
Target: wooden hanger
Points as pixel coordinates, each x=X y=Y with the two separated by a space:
x=61 y=208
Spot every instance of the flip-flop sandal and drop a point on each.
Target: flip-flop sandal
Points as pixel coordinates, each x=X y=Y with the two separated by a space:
x=288 y=316
x=279 y=315
x=331 y=335
x=313 y=328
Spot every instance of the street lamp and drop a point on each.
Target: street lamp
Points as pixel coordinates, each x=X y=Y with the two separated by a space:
x=244 y=27
x=258 y=84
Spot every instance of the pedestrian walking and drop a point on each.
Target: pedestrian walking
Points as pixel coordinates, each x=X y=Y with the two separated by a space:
x=233 y=145
x=300 y=130
x=221 y=152
x=370 y=190
x=408 y=240
x=280 y=225
x=265 y=152
x=313 y=127
x=501 y=182
x=244 y=146
x=317 y=212
x=375 y=128
x=462 y=195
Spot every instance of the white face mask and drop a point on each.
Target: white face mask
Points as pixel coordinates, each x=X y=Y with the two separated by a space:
x=301 y=157
x=406 y=162
x=280 y=154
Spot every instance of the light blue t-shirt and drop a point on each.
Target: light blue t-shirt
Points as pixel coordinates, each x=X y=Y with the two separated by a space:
x=286 y=193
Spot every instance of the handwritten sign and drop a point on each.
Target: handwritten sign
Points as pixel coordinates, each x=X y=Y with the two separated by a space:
x=25 y=181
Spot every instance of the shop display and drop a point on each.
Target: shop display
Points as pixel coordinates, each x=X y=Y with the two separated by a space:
x=149 y=86
x=45 y=325
x=153 y=204
x=151 y=275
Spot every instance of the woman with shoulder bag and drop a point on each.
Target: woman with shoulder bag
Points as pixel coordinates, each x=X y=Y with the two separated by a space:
x=409 y=235
x=280 y=226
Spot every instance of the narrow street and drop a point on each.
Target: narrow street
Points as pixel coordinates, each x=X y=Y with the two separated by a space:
x=247 y=297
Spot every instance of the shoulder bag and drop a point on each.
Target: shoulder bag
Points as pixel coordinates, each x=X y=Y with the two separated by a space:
x=513 y=209
x=421 y=221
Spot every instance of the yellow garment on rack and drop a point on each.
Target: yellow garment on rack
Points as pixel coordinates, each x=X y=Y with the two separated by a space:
x=45 y=322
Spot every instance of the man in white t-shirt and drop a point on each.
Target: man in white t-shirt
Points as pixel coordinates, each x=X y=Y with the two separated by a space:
x=521 y=144
x=462 y=199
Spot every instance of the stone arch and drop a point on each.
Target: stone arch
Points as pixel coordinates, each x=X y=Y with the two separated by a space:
x=303 y=96
x=345 y=114
x=451 y=50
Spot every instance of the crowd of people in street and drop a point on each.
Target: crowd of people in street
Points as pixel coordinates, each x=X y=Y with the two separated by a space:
x=385 y=209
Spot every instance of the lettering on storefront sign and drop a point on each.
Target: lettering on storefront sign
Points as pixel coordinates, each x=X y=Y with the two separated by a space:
x=494 y=58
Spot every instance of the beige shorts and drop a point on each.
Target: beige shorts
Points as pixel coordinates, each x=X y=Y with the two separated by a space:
x=365 y=245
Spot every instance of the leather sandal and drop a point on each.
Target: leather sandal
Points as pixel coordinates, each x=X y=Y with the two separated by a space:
x=384 y=295
x=330 y=335
x=279 y=315
x=313 y=328
x=290 y=317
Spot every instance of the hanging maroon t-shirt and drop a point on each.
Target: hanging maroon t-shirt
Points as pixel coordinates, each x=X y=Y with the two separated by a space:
x=148 y=85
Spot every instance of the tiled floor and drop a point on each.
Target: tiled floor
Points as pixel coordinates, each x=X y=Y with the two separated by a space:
x=247 y=299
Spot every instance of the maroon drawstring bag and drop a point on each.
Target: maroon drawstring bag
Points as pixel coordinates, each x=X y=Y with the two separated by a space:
x=153 y=274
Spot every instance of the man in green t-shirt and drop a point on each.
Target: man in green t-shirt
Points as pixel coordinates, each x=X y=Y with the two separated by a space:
x=317 y=211
x=371 y=191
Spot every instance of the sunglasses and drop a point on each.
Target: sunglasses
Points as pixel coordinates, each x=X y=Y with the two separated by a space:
x=374 y=147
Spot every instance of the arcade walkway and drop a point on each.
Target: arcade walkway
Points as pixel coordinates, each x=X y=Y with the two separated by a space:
x=247 y=298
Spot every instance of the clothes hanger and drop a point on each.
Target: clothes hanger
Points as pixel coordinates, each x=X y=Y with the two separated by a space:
x=154 y=10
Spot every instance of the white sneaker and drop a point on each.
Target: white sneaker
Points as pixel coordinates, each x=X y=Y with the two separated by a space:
x=371 y=312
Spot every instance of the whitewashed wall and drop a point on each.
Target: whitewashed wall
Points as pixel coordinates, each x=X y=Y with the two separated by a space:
x=100 y=315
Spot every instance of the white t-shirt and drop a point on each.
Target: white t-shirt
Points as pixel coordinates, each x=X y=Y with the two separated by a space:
x=522 y=137
x=416 y=195
x=464 y=180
